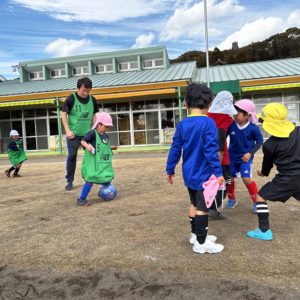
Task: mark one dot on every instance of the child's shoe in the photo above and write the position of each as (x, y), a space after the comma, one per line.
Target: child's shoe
(193, 238)
(258, 234)
(216, 215)
(254, 208)
(17, 175)
(207, 247)
(7, 174)
(81, 202)
(231, 203)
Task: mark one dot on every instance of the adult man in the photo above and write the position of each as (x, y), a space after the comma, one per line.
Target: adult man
(77, 115)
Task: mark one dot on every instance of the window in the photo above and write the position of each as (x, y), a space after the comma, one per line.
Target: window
(128, 66)
(38, 75)
(80, 71)
(153, 63)
(58, 73)
(104, 68)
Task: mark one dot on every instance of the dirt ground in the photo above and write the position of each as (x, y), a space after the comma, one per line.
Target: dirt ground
(136, 246)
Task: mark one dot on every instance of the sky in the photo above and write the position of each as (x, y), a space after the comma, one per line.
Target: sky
(43, 29)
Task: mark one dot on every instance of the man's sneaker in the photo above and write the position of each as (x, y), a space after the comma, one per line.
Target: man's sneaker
(7, 174)
(258, 234)
(81, 202)
(207, 247)
(17, 175)
(69, 186)
(216, 215)
(193, 238)
(254, 208)
(231, 203)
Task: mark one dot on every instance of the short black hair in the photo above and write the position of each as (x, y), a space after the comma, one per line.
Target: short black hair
(86, 82)
(198, 95)
(240, 110)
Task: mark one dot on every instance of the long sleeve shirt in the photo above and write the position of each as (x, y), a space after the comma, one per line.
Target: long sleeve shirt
(284, 153)
(196, 139)
(247, 139)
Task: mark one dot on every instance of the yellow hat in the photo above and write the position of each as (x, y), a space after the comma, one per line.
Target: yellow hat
(275, 122)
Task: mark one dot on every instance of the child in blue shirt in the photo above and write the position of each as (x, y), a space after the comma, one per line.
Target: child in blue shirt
(245, 140)
(196, 139)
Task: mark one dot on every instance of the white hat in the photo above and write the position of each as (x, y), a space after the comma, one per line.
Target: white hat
(13, 132)
(223, 104)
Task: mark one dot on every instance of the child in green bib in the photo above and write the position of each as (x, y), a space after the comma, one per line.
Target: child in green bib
(97, 161)
(16, 154)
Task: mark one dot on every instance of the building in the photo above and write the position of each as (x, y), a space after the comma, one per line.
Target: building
(140, 89)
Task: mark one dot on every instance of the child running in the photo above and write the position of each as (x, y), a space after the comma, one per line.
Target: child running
(16, 154)
(97, 161)
(282, 149)
(197, 138)
(245, 140)
(221, 111)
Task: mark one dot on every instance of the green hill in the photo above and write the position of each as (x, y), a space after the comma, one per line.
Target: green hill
(281, 45)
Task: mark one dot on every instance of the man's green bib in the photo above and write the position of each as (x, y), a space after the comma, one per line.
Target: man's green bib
(97, 168)
(17, 157)
(80, 116)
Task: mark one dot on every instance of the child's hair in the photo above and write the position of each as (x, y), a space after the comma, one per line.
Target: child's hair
(86, 82)
(198, 95)
(241, 110)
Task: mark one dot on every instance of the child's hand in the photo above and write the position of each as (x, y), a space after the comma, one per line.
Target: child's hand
(221, 180)
(170, 178)
(246, 157)
(89, 148)
(259, 173)
(114, 147)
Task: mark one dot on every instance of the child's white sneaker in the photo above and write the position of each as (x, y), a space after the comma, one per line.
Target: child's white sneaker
(207, 247)
(210, 237)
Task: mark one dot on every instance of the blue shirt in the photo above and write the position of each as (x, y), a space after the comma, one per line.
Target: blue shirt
(196, 137)
(248, 139)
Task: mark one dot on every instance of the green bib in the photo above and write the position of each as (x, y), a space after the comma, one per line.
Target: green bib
(80, 116)
(97, 168)
(17, 157)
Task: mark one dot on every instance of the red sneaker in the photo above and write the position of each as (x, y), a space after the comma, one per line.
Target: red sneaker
(7, 174)
(16, 175)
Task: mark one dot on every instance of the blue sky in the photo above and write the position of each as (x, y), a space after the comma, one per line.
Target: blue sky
(40, 29)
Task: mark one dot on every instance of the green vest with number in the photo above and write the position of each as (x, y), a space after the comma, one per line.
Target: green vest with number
(80, 116)
(97, 168)
(17, 157)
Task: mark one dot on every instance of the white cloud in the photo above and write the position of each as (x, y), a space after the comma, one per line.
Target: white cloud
(144, 40)
(260, 30)
(294, 19)
(63, 47)
(96, 10)
(190, 21)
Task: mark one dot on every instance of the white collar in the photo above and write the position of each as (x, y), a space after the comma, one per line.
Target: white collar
(243, 126)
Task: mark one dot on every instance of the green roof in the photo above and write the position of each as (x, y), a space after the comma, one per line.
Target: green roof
(253, 70)
(175, 72)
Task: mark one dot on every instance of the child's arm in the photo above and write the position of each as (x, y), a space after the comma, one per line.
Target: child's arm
(174, 154)
(258, 138)
(268, 162)
(210, 149)
(87, 146)
(85, 142)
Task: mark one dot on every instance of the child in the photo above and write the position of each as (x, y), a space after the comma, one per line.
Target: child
(97, 162)
(197, 137)
(245, 140)
(221, 111)
(282, 149)
(16, 154)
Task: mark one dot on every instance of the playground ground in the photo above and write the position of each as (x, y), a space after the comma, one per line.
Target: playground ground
(135, 247)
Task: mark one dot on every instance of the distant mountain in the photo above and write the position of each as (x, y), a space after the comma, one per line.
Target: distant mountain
(281, 45)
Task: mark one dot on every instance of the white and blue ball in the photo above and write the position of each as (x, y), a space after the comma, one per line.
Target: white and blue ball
(108, 192)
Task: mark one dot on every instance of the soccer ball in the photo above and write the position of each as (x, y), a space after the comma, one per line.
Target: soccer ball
(108, 192)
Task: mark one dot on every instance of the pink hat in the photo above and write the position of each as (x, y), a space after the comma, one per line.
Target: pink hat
(103, 118)
(249, 107)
